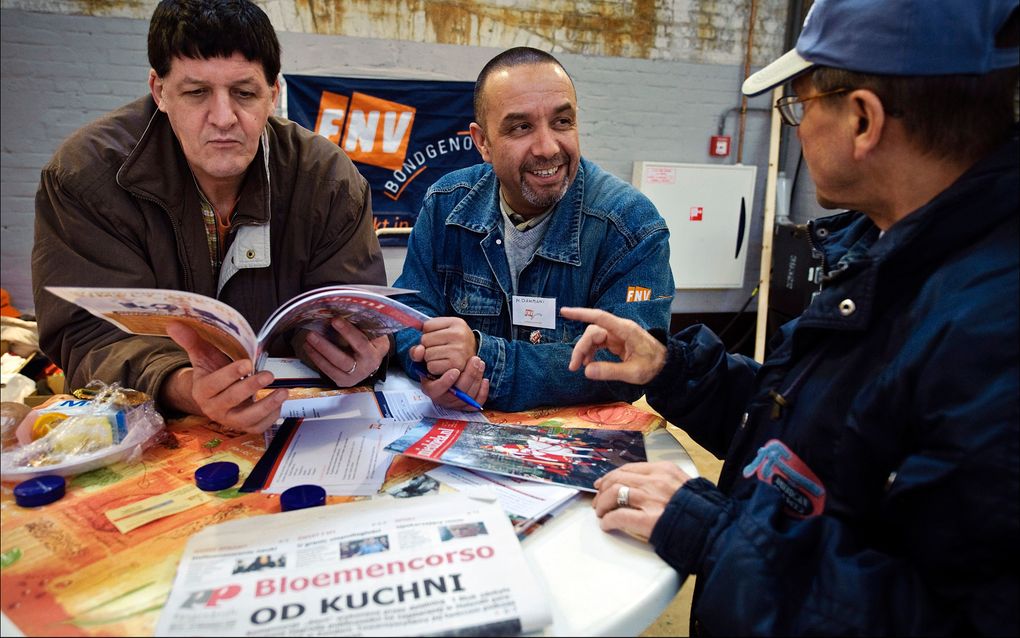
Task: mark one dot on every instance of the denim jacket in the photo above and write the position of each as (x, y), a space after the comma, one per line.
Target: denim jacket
(605, 244)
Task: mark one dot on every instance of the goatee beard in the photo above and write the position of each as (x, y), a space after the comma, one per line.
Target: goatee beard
(541, 200)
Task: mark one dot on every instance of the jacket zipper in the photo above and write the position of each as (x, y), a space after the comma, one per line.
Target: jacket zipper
(177, 230)
(177, 235)
(821, 253)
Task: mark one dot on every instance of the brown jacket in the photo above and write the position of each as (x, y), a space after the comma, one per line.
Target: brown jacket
(117, 206)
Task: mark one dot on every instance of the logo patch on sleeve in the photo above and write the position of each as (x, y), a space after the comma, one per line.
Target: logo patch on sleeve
(638, 293)
(777, 465)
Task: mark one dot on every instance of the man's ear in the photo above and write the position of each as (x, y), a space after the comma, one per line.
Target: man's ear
(868, 121)
(478, 136)
(156, 89)
(276, 93)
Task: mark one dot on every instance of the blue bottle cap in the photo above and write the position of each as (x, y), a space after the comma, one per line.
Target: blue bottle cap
(302, 496)
(213, 477)
(41, 490)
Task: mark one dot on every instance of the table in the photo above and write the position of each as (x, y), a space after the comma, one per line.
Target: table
(68, 571)
(604, 584)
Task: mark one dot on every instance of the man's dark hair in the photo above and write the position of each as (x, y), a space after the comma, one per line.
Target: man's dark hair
(517, 56)
(203, 29)
(961, 117)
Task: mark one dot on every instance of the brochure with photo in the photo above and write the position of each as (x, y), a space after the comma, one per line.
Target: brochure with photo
(574, 457)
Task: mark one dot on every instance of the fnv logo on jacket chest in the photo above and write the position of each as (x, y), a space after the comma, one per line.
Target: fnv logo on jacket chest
(638, 293)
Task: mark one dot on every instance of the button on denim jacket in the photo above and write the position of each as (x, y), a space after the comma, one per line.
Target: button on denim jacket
(606, 247)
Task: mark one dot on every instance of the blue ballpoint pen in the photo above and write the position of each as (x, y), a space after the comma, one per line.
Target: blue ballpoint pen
(423, 373)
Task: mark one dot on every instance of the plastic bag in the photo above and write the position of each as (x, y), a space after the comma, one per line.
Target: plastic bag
(11, 414)
(69, 435)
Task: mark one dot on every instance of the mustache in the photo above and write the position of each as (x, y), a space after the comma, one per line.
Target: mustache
(557, 160)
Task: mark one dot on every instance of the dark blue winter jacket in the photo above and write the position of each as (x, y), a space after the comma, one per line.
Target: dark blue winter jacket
(871, 475)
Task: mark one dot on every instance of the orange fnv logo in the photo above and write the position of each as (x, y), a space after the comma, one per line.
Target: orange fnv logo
(371, 130)
(638, 293)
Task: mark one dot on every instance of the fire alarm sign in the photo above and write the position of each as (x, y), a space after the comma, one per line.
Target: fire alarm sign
(719, 146)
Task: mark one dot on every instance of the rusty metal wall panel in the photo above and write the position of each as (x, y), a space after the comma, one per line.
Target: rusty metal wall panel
(712, 31)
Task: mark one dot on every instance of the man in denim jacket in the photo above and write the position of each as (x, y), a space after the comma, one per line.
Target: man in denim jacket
(500, 246)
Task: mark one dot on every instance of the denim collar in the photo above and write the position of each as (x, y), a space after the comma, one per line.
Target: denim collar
(479, 212)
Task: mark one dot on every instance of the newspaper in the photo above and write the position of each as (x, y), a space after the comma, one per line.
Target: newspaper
(443, 564)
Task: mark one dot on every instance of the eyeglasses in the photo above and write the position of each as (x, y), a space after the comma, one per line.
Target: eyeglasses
(791, 107)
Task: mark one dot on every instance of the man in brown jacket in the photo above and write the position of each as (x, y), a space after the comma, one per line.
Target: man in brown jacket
(197, 187)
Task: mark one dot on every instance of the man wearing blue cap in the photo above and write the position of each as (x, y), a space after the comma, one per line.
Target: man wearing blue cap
(871, 476)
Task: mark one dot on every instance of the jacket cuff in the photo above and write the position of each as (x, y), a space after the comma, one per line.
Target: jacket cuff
(155, 388)
(491, 351)
(681, 534)
(665, 383)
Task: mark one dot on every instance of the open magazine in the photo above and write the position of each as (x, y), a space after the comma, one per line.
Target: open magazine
(573, 457)
(436, 565)
(148, 311)
(527, 503)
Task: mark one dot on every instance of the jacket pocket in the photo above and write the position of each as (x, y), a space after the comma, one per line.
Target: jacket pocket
(480, 305)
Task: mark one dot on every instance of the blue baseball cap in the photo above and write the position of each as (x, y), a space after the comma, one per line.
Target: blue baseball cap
(895, 37)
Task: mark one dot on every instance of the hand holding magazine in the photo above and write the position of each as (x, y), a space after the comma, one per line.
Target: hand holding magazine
(148, 311)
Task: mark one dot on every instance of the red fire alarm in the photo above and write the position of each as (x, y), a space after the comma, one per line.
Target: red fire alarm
(719, 146)
(697, 212)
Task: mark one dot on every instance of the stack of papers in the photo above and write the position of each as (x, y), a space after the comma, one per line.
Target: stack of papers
(348, 443)
(527, 503)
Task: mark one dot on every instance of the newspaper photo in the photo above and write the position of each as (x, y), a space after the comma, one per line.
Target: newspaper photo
(443, 564)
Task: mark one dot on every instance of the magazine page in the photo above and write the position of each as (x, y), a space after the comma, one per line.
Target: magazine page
(435, 565)
(148, 311)
(292, 372)
(414, 404)
(331, 404)
(385, 291)
(528, 527)
(340, 439)
(568, 456)
(346, 457)
(373, 313)
(606, 416)
(524, 501)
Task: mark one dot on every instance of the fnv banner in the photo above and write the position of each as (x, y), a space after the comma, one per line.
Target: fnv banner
(402, 135)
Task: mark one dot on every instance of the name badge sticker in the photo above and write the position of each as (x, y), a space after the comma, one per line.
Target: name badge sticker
(534, 312)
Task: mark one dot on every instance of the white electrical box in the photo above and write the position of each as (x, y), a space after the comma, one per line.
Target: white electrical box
(708, 210)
